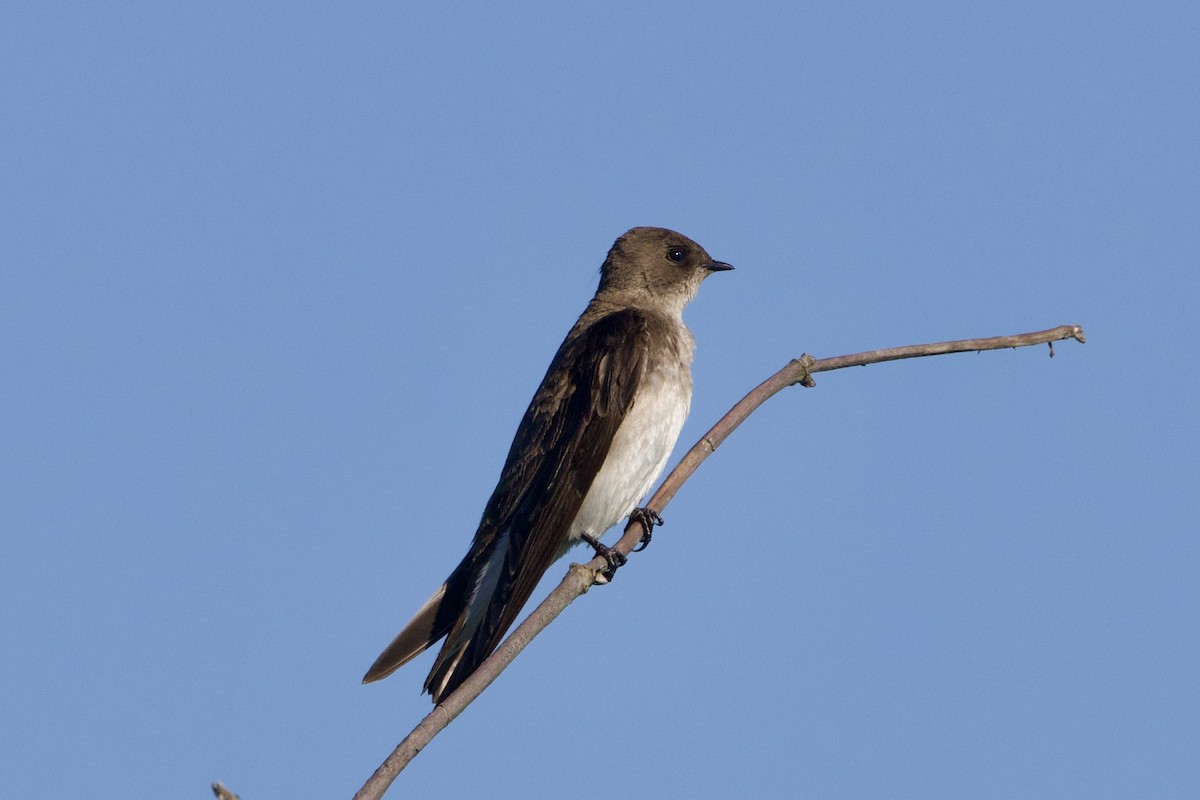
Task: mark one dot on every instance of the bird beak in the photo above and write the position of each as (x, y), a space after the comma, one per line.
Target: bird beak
(719, 266)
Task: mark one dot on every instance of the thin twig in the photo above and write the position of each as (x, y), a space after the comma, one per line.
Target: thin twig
(580, 577)
(222, 793)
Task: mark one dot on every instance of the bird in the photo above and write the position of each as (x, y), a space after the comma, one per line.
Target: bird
(592, 442)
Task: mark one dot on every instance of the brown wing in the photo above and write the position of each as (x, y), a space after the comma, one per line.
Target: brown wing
(560, 446)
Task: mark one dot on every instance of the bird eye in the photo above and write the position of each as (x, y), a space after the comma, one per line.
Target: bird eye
(675, 254)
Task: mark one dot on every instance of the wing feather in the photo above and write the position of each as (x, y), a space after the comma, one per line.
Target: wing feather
(560, 446)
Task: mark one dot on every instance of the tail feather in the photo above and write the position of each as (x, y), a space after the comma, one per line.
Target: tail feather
(464, 649)
(430, 624)
(418, 635)
(449, 671)
(468, 610)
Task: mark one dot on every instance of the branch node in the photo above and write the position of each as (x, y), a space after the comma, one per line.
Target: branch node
(803, 366)
(591, 577)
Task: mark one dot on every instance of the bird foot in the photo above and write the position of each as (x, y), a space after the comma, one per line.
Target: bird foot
(647, 519)
(614, 558)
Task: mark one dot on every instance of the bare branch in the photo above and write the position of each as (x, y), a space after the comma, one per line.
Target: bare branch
(222, 793)
(580, 577)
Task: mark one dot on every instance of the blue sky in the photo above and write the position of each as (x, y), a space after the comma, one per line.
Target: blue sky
(279, 280)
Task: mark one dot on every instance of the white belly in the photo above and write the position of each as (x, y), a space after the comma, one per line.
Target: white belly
(639, 451)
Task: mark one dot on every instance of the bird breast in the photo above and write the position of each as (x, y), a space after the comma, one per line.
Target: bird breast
(640, 448)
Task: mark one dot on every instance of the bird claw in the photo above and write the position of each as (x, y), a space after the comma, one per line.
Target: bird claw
(613, 557)
(647, 519)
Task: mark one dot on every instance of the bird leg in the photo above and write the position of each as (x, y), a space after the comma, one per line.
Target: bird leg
(613, 557)
(647, 519)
